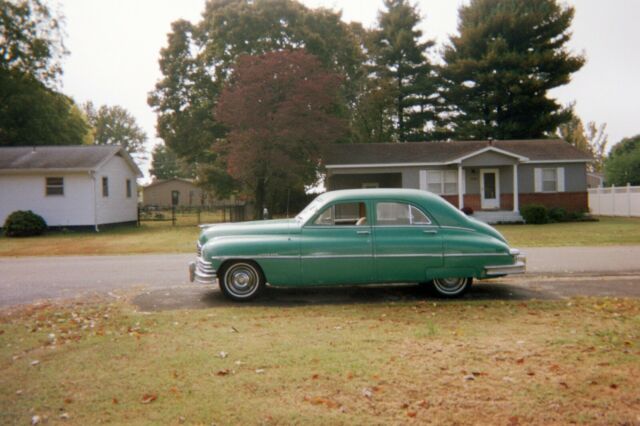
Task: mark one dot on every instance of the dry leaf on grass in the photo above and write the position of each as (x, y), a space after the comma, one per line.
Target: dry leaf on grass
(148, 398)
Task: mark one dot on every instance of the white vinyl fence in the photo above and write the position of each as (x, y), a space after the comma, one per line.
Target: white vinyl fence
(615, 201)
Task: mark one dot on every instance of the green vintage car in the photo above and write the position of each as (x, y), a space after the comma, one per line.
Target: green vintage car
(356, 237)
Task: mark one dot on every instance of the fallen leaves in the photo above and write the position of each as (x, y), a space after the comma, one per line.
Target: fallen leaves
(318, 400)
(148, 398)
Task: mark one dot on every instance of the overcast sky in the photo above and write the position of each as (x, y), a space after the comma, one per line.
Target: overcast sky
(115, 46)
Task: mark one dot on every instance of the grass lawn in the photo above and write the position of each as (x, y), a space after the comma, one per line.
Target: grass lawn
(164, 238)
(467, 362)
(608, 231)
(148, 238)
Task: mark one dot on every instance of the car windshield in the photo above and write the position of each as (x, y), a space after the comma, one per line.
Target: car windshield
(311, 209)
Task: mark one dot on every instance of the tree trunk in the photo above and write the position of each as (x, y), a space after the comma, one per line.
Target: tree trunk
(259, 198)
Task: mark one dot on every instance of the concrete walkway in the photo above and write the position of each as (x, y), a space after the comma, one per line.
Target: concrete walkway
(543, 260)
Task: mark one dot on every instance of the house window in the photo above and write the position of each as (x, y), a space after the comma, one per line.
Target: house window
(549, 180)
(105, 186)
(54, 186)
(128, 188)
(442, 182)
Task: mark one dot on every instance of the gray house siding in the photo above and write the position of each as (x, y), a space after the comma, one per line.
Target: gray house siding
(575, 176)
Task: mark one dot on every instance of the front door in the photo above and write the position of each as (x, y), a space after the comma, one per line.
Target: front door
(489, 189)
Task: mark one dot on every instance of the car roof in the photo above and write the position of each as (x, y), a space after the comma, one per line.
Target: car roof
(379, 193)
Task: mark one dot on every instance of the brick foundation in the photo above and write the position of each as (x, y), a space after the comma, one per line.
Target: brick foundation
(570, 201)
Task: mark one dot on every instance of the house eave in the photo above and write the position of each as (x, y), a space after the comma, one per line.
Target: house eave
(443, 163)
(45, 171)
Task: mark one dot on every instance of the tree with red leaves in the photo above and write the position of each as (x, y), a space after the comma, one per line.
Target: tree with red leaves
(281, 109)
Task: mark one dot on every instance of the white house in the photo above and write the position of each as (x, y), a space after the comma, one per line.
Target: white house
(69, 186)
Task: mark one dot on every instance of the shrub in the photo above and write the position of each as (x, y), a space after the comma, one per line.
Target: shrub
(534, 214)
(24, 224)
(558, 214)
(467, 210)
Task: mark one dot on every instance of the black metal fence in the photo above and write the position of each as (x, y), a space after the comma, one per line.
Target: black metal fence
(185, 216)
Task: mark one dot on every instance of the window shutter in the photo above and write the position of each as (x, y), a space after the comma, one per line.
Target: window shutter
(537, 179)
(423, 180)
(560, 179)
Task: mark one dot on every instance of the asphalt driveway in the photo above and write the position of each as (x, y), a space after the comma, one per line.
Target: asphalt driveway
(161, 280)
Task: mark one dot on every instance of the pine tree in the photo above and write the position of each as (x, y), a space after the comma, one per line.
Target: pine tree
(499, 69)
(400, 58)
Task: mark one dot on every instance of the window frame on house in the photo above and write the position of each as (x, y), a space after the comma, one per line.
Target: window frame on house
(105, 186)
(558, 180)
(436, 181)
(128, 190)
(51, 188)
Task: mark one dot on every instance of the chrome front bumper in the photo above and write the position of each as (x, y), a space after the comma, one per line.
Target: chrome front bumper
(519, 267)
(202, 272)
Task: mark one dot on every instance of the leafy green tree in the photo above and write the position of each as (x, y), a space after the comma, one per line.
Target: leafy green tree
(593, 140)
(31, 47)
(32, 114)
(622, 166)
(200, 57)
(114, 125)
(400, 58)
(280, 109)
(165, 164)
(31, 39)
(499, 69)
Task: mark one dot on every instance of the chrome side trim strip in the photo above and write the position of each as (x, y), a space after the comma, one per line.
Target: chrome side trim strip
(474, 254)
(408, 255)
(355, 256)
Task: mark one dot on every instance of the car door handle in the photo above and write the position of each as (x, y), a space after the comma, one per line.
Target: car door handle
(363, 232)
(430, 231)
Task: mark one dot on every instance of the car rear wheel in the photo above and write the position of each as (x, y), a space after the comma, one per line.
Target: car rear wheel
(241, 281)
(451, 287)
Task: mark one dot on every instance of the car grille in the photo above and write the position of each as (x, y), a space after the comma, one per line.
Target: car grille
(205, 267)
(199, 249)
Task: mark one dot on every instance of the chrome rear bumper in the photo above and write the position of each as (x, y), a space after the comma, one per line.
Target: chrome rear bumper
(499, 270)
(519, 267)
(202, 272)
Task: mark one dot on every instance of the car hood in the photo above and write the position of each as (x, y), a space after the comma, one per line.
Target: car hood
(262, 227)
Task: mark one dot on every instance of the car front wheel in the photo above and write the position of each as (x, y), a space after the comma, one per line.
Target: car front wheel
(451, 287)
(241, 281)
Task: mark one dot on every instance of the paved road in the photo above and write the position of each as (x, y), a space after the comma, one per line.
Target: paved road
(573, 271)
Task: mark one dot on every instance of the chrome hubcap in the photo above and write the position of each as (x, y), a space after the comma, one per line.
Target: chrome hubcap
(241, 280)
(450, 286)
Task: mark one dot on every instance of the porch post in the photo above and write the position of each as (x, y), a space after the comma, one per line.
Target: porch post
(460, 186)
(516, 207)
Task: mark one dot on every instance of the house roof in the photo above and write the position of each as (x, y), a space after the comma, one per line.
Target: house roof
(163, 181)
(78, 158)
(534, 150)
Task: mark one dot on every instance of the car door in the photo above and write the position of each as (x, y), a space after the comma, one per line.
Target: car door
(336, 245)
(407, 243)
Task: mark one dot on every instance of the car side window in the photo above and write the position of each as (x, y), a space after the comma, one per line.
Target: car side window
(343, 214)
(395, 214)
